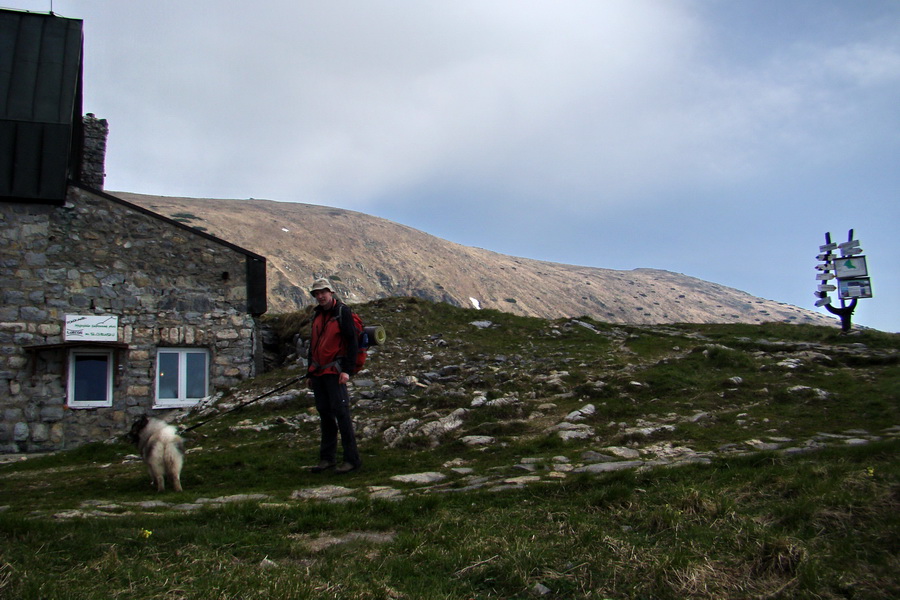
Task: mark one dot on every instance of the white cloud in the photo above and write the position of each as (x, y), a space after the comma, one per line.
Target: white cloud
(566, 116)
(351, 101)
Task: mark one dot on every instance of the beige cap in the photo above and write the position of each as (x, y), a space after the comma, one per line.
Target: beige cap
(321, 284)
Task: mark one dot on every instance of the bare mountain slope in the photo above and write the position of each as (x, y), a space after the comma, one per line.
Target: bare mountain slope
(368, 258)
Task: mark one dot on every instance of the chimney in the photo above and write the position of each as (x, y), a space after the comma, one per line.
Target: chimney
(94, 153)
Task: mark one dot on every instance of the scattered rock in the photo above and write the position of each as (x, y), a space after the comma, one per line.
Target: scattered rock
(808, 392)
(581, 414)
(762, 446)
(607, 467)
(324, 492)
(477, 440)
(540, 589)
(622, 452)
(420, 478)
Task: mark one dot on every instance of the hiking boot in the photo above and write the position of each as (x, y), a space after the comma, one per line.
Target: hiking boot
(322, 466)
(346, 468)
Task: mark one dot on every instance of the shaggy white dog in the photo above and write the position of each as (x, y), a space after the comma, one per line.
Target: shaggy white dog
(162, 450)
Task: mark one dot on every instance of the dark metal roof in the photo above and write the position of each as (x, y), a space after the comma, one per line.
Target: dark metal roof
(40, 105)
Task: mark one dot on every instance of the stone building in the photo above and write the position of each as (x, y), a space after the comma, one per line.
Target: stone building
(107, 310)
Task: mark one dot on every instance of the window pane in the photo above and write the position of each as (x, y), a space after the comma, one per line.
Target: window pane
(167, 381)
(195, 371)
(91, 378)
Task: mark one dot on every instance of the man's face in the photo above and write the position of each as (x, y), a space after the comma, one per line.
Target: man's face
(323, 297)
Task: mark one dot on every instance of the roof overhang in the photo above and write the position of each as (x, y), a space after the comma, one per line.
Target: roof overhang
(41, 132)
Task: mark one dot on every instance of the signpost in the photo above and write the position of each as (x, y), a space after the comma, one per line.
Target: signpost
(850, 272)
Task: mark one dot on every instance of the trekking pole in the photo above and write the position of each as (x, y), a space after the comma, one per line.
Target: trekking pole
(247, 403)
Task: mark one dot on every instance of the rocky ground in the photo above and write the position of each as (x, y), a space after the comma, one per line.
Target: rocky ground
(426, 394)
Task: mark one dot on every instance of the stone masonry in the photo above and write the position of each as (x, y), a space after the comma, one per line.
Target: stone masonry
(97, 255)
(93, 158)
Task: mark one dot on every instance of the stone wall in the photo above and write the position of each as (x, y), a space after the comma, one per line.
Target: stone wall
(168, 286)
(93, 159)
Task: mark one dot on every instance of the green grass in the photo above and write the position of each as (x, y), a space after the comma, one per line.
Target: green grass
(817, 525)
(820, 526)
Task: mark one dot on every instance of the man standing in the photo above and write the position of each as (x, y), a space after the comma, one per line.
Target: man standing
(332, 360)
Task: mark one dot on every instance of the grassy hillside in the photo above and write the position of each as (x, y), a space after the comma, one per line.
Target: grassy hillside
(505, 457)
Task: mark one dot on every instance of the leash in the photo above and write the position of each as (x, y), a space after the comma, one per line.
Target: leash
(247, 403)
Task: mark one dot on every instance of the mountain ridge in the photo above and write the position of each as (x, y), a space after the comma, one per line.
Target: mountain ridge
(369, 257)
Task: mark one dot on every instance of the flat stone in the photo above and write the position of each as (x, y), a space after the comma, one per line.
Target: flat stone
(761, 445)
(320, 493)
(690, 460)
(522, 480)
(423, 478)
(856, 442)
(609, 466)
(576, 434)
(649, 431)
(146, 504)
(477, 440)
(234, 498)
(342, 500)
(591, 456)
(622, 452)
(383, 492)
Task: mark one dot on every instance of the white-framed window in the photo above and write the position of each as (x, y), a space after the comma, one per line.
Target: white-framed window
(90, 378)
(182, 376)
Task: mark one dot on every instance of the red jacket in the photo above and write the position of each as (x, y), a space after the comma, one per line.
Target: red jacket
(333, 344)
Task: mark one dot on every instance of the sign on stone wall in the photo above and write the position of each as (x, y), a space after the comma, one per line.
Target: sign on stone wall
(91, 328)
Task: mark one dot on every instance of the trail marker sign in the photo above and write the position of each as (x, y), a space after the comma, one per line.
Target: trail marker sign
(850, 272)
(854, 288)
(848, 268)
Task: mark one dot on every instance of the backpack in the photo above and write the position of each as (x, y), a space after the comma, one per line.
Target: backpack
(362, 339)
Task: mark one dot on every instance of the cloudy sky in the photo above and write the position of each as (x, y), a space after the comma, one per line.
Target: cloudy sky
(716, 138)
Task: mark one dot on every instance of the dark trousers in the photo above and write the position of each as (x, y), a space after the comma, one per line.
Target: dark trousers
(333, 404)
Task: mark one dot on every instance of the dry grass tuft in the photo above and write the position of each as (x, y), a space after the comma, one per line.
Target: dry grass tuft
(781, 556)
